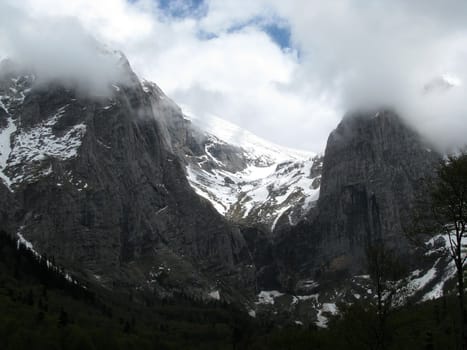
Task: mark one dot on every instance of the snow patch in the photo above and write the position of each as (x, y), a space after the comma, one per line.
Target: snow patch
(271, 181)
(420, 282)
(215, 295)
(23, 241)
(279, 215)
(268, 296)
(233, 134)
(274, 178)
(2, 106)
(36, 144)
(326, 308)
(437, 290)
(28, 245)
(5, 148)
(308, 297)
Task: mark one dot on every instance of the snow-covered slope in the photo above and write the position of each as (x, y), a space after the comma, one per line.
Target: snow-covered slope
(26, 150)
(5, 148)
(250, 180)
(264, 152)
(246, 178)
(434, 277)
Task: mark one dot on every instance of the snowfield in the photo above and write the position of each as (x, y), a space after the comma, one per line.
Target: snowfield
(24, 151)
(275, 181)
(5, 148)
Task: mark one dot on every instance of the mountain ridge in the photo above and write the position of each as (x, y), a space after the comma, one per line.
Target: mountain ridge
(112, 201)
(108, 187)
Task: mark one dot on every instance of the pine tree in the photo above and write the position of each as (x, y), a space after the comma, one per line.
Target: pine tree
(63, 318)
(386, 276)
(30, 298)
(445, 212)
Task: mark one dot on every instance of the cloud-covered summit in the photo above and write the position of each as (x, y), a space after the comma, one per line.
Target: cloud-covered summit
(59, 49)
(286, 70)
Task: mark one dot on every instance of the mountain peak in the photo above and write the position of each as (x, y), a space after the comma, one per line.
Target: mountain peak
(250, 180)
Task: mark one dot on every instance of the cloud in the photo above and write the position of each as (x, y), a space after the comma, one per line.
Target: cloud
(59, 49)
(218, 57)
(370, 54)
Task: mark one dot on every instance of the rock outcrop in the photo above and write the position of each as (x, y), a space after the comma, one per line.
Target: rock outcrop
(100, 189)
(372, 168)
(107, 186)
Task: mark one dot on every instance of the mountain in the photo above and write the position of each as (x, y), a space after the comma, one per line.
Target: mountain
(129, 193)
(357, 192)
(373, 166)
(252, 181)
(94, 183)
(248, 180)
(372, 169)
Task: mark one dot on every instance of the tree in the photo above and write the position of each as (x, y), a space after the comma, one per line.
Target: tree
(30, 297)
(63, 318)
(386, 276)
(445, 212)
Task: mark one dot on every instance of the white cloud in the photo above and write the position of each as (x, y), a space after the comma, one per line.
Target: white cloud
(372, 53)
(352, 54)
(224, 14)
(58, 48)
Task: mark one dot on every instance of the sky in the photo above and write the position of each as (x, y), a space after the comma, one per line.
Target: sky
(285, 70)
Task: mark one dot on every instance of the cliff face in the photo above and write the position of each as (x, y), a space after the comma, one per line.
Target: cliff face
(101, 184)
(100, 189)
(248, 180)
(372, 167)
(372, 170)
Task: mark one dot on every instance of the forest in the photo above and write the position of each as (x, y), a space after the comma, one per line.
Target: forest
(43, 308)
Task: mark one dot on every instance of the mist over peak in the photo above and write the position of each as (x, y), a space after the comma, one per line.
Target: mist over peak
(59, 50)
(337, 56)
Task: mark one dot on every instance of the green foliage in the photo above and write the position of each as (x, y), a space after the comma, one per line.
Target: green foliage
(386, 276)
(40, 309)
(417, 327)
(445, 212)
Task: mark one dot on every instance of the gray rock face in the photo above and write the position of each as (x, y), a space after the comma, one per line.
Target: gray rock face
(233, 168)
(100, 189)
(254, 183)
(372, 167)
(101, 185)
(8, 209)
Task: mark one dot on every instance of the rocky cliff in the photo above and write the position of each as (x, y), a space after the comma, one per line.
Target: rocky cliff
(248, 180)
(127, 191)
(372, 168)
(99, 187)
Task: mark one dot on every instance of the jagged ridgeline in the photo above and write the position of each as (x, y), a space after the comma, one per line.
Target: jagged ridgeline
(372, 170)
(94, 182)
(128, 193)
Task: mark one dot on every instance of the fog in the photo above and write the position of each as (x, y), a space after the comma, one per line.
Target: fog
(342, 55)
(58, 49)
(372, 54)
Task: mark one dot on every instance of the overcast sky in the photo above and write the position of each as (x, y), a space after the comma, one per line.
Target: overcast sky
(285, 70)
